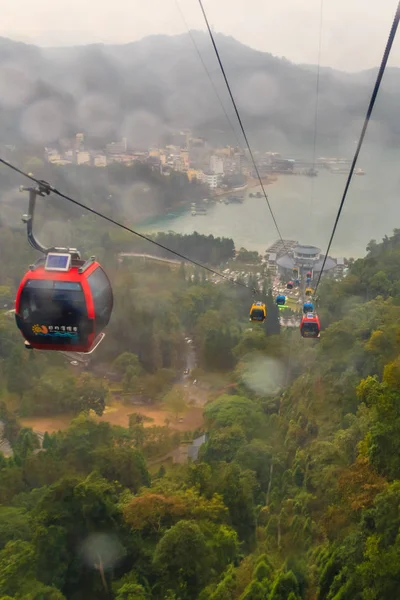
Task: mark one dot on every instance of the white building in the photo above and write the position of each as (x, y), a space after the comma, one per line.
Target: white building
(79, 141)
(82, 158)
(100, 161)
(69, 155)
(211, 179)
(52, 155)
(216, 165)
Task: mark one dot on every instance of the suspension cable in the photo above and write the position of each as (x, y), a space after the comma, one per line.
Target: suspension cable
(221, 66)
(389, 44)
(208, 74)
(316, 104)
(49, 188)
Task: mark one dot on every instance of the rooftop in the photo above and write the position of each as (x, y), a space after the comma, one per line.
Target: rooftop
(311, 250)
(286, 262)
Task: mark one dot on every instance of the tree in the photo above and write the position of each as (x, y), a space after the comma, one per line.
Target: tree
(35, 590)
(128, 360)
(128, 588)
(18, 372)
(71, 514)
(248, 256)
(11, 425)
(130, 381)
(237, 489)
(227, 411)
(284, 585)
(11, 483)
(217, 349)
(26, 442)
(17, 565)
(132, 591)
(122, 464)
(226, 588)
(14, 525)
(256, 456)
(155, 512)
(272, 322)
(223, 444)
(175, 400)
(255, 591)
(183, 560)
(251, 341)
(91, 394)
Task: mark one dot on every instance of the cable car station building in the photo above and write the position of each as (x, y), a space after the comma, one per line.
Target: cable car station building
(305, 258)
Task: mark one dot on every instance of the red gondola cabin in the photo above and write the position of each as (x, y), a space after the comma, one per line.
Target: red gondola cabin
(310, 326)
(63, 303)
(289, 285)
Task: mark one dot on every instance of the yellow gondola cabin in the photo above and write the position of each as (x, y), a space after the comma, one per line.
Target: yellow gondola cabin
(258, 312)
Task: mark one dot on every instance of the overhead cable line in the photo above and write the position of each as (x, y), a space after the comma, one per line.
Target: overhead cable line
(317, 81)
(43, 185)
(239, 119)
(389, 44)
(317, 100)
(208, 74)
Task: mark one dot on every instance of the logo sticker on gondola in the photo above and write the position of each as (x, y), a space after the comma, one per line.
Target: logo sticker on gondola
(60, 331)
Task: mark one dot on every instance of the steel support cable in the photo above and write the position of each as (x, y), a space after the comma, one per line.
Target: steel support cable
(375, 91)
(316, 103)
(239, 119)
(49, 188)
(208, 74)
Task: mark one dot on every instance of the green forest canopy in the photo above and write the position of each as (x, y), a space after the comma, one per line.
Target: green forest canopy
(295, 495)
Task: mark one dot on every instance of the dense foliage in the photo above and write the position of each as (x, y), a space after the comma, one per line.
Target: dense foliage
(296, 490)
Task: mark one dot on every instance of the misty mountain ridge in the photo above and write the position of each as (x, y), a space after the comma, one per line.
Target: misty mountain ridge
(147, 89)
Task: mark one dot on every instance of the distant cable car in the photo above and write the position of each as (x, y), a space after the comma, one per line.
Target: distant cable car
(309, 274)
(258, 312)
(280, 300)
(297, 282)
(63, 303)
(295, 272)
(310, 326)
(289, 285)
(308, 307)
(308, 291)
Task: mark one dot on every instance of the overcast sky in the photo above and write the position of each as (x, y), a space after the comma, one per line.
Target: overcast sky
(353, 36)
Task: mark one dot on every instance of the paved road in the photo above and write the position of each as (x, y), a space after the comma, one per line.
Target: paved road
(150, 256)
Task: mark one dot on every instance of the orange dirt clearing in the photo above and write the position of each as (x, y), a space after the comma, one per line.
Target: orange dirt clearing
(118, 414)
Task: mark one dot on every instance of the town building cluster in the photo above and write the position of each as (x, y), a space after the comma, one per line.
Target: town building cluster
(216, 167)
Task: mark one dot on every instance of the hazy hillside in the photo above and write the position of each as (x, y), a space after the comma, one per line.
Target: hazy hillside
(146, 88)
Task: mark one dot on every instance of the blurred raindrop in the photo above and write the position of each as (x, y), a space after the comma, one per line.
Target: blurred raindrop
(263, 374)
(102, 549)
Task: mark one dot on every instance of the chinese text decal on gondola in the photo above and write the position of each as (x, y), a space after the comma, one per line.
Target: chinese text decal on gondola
(62, 331)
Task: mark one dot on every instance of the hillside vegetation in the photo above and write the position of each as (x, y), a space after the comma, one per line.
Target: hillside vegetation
(146, 89)
(296, 492)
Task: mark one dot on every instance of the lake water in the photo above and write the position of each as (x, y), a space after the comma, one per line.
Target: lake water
(305, 209)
